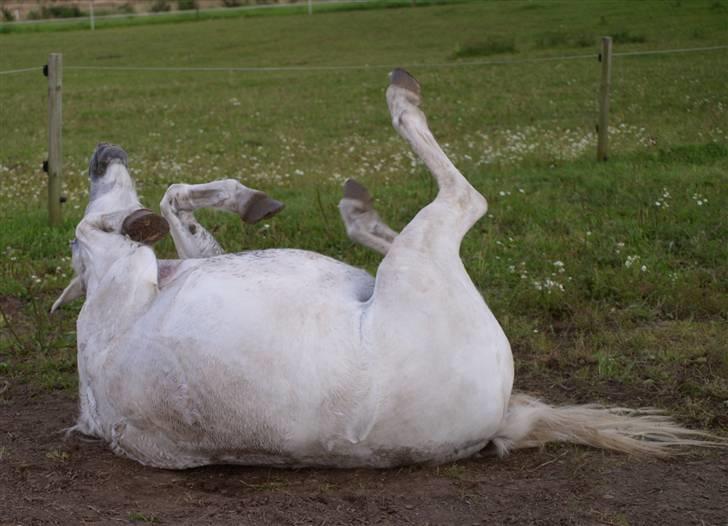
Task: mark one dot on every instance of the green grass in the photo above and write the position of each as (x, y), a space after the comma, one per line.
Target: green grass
(485, 48)
(625, 37)
(609, 278)
(560, 39)
(135, 517)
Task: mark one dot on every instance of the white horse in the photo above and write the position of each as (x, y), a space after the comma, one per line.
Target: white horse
(285, 357)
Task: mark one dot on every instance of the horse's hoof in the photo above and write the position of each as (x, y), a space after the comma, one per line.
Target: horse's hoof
(400, 78)
(144, 226)
(260, 207)
(355, 190)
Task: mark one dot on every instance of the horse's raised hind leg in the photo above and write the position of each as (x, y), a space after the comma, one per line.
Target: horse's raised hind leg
(438, 229)
(180, 201)
(449, 370)
(422, 275)
(363, 224)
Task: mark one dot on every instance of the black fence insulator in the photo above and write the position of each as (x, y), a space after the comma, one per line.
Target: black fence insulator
(45, 70)
(62, 199)
(45, 166)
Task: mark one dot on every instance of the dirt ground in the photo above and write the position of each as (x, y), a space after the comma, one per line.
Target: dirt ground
(45, 479)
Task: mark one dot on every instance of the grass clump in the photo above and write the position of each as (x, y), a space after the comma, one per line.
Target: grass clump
(160, 6)
(532, 6)
(56, 11)
(695, 154)
(149, 518)
(625, 37)
(186, 5)
(559, 39)
(125, 8)
(485, 48)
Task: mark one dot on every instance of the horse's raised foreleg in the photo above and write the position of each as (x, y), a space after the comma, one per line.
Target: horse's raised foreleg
(180, 201)
(363, 224)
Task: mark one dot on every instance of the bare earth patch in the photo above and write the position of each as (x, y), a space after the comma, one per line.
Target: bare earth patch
(45, 479)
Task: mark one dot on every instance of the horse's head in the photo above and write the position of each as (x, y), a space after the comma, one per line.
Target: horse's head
(112, 199)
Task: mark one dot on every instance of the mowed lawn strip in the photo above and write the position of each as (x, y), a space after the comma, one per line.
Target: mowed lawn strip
(610, 279)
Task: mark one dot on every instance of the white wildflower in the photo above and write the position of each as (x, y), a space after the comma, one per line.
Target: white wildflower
(662, 200)
(700, 200)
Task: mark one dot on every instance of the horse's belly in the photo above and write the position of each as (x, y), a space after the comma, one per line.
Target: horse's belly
(273, 360)
(248, 358)
(287, 300)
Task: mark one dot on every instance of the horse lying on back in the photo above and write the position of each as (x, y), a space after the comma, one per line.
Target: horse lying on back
(288, 357)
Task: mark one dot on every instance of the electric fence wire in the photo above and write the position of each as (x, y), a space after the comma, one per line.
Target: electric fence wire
(425, 65)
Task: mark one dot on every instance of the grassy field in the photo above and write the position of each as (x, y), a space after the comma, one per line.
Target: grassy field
(611, 279)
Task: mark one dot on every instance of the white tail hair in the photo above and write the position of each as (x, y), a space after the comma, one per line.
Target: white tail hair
(532, 423)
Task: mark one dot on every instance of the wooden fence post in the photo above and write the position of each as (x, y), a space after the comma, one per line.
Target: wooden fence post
(310, 8)
(54, 165)
(603, 126)
(91, 14)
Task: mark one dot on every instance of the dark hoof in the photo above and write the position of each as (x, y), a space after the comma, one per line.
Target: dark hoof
(260, 207)
(103, 156)
(402, 79)
(144, 226)
(355, 190)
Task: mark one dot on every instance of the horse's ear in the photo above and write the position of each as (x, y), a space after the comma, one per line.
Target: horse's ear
(73, 291)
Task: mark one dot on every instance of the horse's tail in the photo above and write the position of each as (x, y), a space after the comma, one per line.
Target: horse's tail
(532, 423)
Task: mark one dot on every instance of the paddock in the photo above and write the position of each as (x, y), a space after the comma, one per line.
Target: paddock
(609, 278)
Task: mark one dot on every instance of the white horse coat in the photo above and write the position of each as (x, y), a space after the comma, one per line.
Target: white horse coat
(290, 358)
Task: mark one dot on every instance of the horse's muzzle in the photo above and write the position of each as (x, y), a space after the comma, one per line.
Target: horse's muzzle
(103, 156)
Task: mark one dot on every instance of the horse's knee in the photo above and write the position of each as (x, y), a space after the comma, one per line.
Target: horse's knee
(93, 225)
(169, 200)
